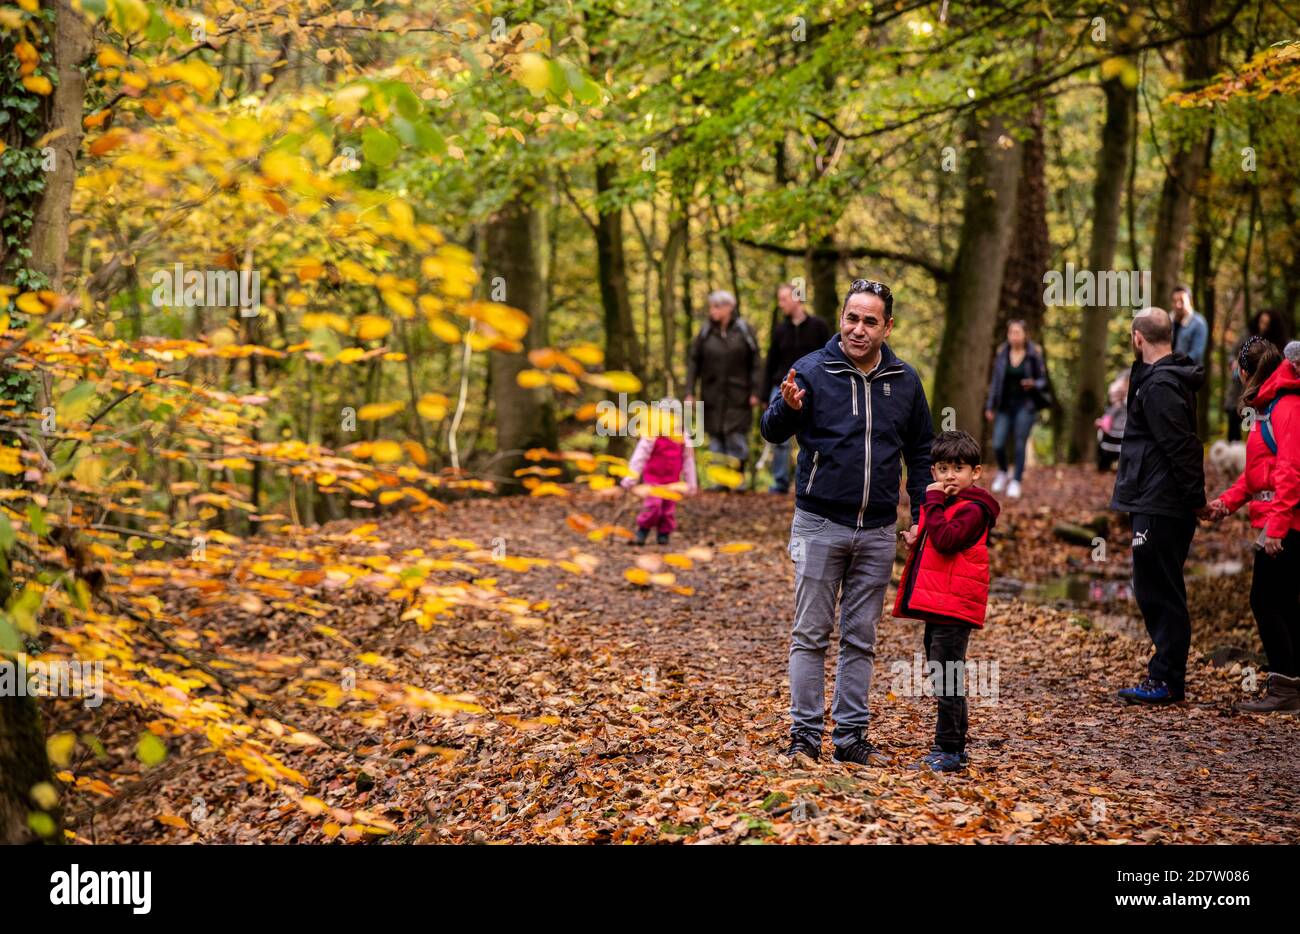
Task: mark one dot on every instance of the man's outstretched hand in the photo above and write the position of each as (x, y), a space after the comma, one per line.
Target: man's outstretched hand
(791, 392)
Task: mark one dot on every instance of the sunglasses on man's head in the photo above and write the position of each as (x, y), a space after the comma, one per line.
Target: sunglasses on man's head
(871, 286)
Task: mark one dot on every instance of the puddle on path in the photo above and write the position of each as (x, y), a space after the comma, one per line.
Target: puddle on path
(1100, 601)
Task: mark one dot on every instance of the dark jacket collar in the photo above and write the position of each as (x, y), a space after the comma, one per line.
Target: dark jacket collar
(835, 354)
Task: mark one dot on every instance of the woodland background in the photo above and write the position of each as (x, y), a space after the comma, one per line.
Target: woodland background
(472, 221)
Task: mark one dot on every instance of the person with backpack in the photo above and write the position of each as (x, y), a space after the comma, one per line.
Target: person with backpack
(725, 362)
(1270, 402)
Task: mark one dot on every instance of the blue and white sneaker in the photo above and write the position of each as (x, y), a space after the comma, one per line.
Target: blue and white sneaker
(1151, 692)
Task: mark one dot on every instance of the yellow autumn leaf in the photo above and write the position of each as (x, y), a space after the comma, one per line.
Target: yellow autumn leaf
(432, 406)
(637, 576)
(588, 354)
(444, 330)
(309, 269)
(548, 489)
(565, 383)
(325, 319)
(531, 379)
(379, 410)
(30, 304)
(534, 73)
(373, 327)
(353, 271)
(398, 302)
(725, 476)
(615, 381)
(510, 323)
(110, 57)
(386, 452)
(416, 453)
(38, 84)
(734, 548)
(60, 747)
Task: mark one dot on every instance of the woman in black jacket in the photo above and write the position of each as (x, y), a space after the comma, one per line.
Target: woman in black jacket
(1017, 391)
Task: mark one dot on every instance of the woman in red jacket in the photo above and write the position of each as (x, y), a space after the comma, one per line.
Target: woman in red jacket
(1271, 484)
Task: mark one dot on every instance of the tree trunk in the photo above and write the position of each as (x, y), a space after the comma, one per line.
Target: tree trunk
(1203, 295)
(49, 235)
(621, 351)
(1028, 255)
(1186, 164)
(23, 760)
(668, 299)
(961, 374)
(1107, 193)
(821, 276)
(1030, 250)
(514, 240)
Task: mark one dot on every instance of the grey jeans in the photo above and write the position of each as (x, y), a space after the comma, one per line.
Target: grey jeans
(854, 564)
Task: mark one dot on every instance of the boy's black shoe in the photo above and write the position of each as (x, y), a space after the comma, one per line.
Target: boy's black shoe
(802, 746)
(662, 538)
(860, 752)
(640, 536)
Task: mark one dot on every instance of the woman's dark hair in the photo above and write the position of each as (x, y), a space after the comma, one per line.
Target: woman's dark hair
(1258, 359)
(1276, 332)
(955, 447)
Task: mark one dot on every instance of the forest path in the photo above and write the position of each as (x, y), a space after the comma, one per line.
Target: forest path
(635, 713)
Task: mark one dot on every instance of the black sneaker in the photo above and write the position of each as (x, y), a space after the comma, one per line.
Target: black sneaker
(661, 538)
(860, 752)
(641, 535)
(802, 746)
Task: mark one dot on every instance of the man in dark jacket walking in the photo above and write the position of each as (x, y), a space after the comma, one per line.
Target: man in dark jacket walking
(797, 336)
(859, 412)
(725, 361)
(1161, 482)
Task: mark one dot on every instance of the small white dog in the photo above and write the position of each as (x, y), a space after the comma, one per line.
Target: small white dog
(1228, 458)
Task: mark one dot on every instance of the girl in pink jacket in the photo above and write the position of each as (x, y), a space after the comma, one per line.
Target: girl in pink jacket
(660, 460)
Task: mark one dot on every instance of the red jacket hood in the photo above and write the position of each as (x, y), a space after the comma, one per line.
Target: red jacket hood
(1284, 377)
(984, 498)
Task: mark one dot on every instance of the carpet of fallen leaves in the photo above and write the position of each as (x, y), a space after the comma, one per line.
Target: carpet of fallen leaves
(635, 713)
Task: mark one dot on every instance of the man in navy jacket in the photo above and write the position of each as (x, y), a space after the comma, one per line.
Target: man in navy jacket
(859, 412)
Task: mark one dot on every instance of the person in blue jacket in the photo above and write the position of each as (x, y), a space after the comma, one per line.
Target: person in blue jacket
(859, 414)
(1191, 333)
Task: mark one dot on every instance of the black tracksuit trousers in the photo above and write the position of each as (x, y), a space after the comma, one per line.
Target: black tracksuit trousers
(1160, 546)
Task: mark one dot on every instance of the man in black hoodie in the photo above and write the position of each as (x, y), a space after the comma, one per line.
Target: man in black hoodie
(1161, 482)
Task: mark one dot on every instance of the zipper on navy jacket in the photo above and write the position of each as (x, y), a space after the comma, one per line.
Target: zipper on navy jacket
(867, 380)
(808, 488)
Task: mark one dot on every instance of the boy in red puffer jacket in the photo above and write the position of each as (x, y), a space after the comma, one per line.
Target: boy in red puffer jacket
(946, 582)
(1271, 484)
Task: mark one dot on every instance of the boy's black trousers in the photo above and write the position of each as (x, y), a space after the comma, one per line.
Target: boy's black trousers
(1160, 546)
(944, 643)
